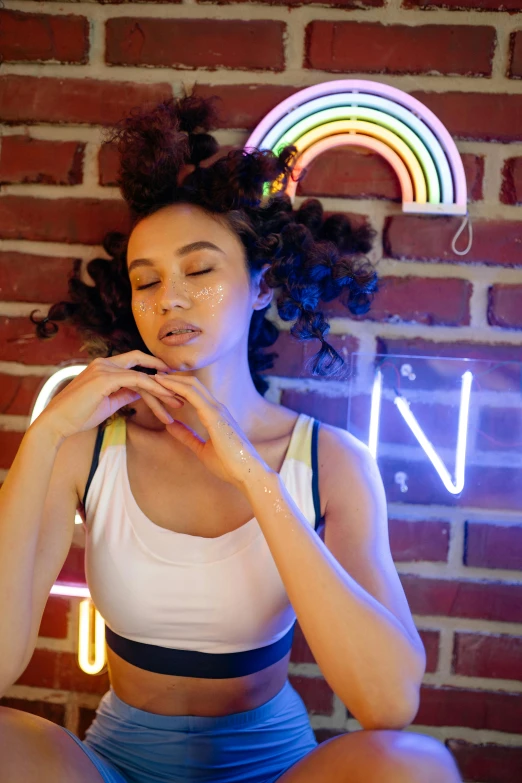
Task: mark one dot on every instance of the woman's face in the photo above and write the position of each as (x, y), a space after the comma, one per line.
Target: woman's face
(184, 264)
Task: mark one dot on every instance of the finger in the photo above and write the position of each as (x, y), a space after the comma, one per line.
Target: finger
(120, 398)
(157, 408)
(137, 358)
(138, 381)
(193, 393)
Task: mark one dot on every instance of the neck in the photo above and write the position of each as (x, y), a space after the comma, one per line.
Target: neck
(231, 384)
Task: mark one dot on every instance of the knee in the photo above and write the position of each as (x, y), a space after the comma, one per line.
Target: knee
(407, 757)
(19, 728)
(9, 716)
(12, 717)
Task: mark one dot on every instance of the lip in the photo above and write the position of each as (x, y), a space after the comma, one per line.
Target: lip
(179, 339)
(175, 323)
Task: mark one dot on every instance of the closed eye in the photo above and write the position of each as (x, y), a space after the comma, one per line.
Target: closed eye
(203, 271)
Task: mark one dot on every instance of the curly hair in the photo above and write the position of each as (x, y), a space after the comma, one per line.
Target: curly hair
(312, 259)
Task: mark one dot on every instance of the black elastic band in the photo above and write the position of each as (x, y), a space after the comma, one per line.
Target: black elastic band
(315, 474)
(191, 663)
(95, 459)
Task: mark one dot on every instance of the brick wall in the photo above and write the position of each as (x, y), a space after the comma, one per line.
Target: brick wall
(70, 68)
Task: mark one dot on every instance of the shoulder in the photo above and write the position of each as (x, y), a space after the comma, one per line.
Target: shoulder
(345, 462)
(337, 441)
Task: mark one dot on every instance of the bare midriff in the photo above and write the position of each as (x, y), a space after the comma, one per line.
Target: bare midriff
(165, 694)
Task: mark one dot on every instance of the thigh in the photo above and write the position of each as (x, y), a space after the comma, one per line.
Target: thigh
(30, 745)
(385, 756)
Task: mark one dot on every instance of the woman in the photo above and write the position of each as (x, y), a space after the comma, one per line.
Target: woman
(199, 500)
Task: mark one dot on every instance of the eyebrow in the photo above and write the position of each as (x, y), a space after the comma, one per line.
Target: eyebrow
(182, 251)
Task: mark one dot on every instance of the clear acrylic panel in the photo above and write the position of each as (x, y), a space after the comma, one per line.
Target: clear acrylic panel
(444, 431)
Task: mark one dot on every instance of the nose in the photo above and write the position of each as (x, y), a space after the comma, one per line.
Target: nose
(173, 293)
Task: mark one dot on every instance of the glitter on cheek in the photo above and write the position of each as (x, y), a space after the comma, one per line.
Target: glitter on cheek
(214, 295)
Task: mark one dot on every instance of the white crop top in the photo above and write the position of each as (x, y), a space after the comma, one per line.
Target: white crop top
(183, 604)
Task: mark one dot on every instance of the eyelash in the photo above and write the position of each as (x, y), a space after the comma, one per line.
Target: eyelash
(203, 271)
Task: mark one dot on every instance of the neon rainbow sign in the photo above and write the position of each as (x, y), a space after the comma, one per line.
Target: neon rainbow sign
(381, 118)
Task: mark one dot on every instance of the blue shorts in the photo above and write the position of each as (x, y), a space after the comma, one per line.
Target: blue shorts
(129, 745)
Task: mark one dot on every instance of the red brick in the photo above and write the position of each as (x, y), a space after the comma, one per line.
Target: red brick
(82, 220)
(420, 238)
(196, 43)
(244, 105)
(346, 47)
(23, 159)
(61, 670)
(431, 642)
(511, 190)
(488, 655)
(477, 116)
(505, 305)
(294, 354)
(511, 6)
(423, 300)
(515, 65)
(18, 393)
(315, 692)
(475, 709)
(487, 762)
(73, 570)
(27, 277)
(474, 172)
(19, 343)
(359, 412)
(481, 600)
(9, 445)
(32, 99)
(439, 422)
(414, 541)
(25, 37)
(487, 487)
(301, 652)
(108, 164)
(44, 709)
(55, 618)
(500, 429)
(356, 172)
(502, 376)
(330, 410)
(493, 546)
(350, 172)
(85, 718)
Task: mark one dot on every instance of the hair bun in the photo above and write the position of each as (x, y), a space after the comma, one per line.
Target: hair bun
(202, 146)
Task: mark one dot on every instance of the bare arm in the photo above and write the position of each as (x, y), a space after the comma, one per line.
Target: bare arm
(346, 592)
(37, 506)
(38, 499)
